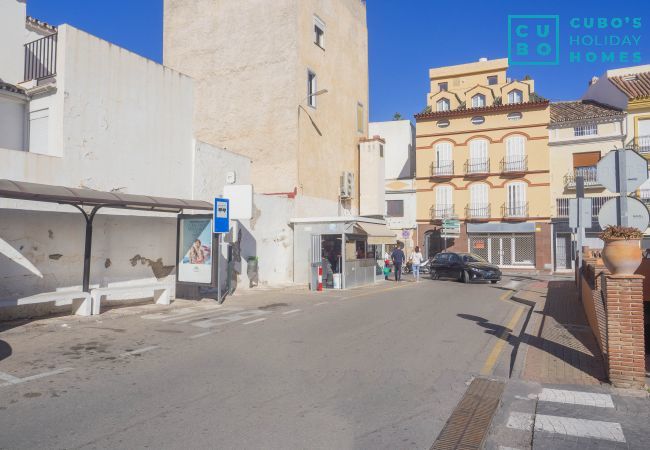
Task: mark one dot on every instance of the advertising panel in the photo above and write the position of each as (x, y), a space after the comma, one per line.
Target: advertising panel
(195, 250)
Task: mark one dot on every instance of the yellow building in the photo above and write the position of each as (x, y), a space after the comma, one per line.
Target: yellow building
(482, 157)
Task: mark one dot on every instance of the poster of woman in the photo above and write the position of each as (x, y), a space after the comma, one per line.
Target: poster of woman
(195, 240)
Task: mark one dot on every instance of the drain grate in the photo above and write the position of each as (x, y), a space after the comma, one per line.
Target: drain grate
(468, 425)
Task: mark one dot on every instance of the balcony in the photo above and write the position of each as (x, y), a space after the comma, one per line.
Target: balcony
(589, 174)
(442, 169)
(642, 145)
(477, 166)
(477, 212)
(562, 205)
(514, 164)
(40, 58)
(515, 210)
(439, 212)
(644, 196)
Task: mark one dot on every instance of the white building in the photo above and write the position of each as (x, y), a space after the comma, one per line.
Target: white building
(79, 112)
(399, 159)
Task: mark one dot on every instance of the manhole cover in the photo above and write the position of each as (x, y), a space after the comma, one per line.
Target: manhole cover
(468, 425)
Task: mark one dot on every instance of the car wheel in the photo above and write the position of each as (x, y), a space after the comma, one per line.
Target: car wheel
(434, 275)
(494, 281)
(465, 277)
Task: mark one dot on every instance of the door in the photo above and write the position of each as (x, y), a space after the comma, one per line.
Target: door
(454, 268)
(440, 264)
(443, 158)
(515, 153)
(478, 200)
(516, 203)
(562, 252)
(478, 156)
(443, 202)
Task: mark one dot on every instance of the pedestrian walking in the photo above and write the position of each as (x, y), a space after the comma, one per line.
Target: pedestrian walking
(398, 259)
(416, 260)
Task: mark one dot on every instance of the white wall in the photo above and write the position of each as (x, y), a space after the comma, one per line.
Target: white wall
(371, 178)
(12, 35)
(604, 91)
(12, 121)
(408, 221)
(400, 146)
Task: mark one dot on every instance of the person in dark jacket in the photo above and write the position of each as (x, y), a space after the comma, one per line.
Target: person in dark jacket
(398, 259)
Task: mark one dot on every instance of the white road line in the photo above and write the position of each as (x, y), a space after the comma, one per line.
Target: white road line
(291, 312)
(201, 314)
(243, 315)
(576, 398)
(11, 380)
(520, 421)
(597, 429)
(174, 313)
(139, 351)
(261, 319)
(196, 336)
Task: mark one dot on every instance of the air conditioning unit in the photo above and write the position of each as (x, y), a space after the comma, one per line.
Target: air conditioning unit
(347, 185)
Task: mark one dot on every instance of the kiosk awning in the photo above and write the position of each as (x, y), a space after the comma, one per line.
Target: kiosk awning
(378, 234)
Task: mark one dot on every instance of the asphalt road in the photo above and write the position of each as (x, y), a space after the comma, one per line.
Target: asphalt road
(380, 367)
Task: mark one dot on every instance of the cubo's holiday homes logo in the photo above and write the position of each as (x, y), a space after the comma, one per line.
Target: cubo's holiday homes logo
(535, 40)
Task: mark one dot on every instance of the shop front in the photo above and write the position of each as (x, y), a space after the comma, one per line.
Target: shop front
(508, 245)
(349, 250)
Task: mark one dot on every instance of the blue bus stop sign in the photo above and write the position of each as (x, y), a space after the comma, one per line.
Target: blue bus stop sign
(221, 215)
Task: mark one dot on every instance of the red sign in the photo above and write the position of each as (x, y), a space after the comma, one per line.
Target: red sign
(479, 244)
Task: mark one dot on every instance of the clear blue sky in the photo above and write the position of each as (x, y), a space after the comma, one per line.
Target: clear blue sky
(406, 38)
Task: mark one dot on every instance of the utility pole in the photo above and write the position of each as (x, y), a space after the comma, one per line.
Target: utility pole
(580, 194)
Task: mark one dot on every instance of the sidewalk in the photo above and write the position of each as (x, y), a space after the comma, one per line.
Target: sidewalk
(561, 348)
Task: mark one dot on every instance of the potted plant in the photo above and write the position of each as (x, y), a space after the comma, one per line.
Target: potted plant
(622, 252)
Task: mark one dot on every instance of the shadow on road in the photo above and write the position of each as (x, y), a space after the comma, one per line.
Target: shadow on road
(5, 350)
(571, 340)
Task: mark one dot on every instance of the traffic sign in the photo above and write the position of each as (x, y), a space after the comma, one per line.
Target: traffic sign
(585, 213)
(221, 215)
(622, 170)
(637, 213)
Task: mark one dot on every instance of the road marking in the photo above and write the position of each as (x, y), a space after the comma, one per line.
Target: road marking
(506, 295)
(229, 318)
(576, 398)
(202, 315)
(11, 380)
(321, 303)
(520, 421)
(493, 357)
(139, 351)
(261, 319)
(597, 429)
(290, 312)
(196, 336)
(174, 313)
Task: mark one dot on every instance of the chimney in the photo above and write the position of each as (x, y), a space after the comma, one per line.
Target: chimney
(482, 59)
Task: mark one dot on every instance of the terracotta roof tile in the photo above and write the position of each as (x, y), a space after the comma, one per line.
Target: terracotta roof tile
(29, 20)
(581, 110)
(464, 111)
(634, 85)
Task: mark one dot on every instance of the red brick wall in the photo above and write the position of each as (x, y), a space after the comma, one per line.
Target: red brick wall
(625, 342)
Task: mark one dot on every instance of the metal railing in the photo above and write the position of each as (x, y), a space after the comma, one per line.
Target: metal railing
(642, 144)
(562, 205)
(514, 210)
(442, 168)
(477, 211)
(477, 166)
(644, 196)
(514, 164)
(589, 174)
(442, 212)
(40, 58)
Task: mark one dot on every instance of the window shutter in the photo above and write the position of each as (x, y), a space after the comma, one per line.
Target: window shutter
(585, 159)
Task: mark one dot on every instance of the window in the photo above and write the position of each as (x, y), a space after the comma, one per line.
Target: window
(478, 156)
(515, 116)
(395, 208)
(444, 203)
(492, 80)
(478, 120)
(478, 199)
(311, 89)
(516, 202)
(443, 86)
(39, 131)
(515, 96)
(442, 123)
(478, 101)
(585, 130)
(319, 32)
(360, 126)
(515, 159)
(443, 154)
(442, 105)
(381, 150)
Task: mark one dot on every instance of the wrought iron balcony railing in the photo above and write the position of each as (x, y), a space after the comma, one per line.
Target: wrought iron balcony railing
(477, 211)
(442, 211)
(40, 58)
(514, 210)
(562, 205)
(589, 174)
(641, 144)
(512, 164)
(476, 166)
(442, 168)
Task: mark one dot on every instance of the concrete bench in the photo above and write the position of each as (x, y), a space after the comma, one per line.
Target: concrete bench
(161, 293)
(80, 301)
